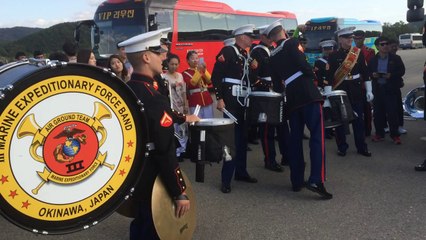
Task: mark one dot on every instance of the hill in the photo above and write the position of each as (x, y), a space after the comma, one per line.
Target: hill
(16, 33)
(47, 40)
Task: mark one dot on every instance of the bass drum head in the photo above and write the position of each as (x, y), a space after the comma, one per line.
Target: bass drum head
(71, 148)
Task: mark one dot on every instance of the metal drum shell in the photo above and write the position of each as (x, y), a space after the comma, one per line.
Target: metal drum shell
(269, 104)
(334, 116)
(219, 133)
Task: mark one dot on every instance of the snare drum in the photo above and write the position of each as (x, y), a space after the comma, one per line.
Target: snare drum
(219, 133)
(266, 107)
(73, 143)
(340, 110)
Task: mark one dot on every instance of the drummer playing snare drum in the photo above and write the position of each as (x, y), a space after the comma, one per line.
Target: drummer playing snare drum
(143, 52)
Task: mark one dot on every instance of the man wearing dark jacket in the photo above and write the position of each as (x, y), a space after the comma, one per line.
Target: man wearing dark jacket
(386, 71)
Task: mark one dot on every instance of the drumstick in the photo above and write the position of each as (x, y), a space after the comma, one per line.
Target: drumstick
(196, 111)
(230, 115)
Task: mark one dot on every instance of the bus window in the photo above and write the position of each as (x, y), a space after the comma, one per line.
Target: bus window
(164, 18)
(258, 21)
(235, 21)
(213, 26)
(189, 27)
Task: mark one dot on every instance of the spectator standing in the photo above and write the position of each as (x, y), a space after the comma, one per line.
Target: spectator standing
(386, 71)
(19, 56)
(70, 49)
(121, 51)
(86, 56)
(38, 54)
(116, 64)
(197, 79)
(177, 89)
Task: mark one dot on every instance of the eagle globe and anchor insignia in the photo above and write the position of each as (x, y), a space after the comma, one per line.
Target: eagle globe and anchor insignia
(70, 145)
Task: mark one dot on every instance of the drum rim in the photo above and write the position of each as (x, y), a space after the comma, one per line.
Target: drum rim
(337, 93)
(209, 122)
(265, 94)
(84, 221)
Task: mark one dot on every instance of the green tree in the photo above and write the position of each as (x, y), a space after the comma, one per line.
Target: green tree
(394, 30)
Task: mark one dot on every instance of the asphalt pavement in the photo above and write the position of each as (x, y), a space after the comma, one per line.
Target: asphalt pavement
(380, 197)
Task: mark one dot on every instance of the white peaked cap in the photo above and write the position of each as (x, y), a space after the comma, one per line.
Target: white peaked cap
(272, 26)
(262, 29)
(229, 41)
(345, 31)
(327, 43)
(244, 29)
(144, 41)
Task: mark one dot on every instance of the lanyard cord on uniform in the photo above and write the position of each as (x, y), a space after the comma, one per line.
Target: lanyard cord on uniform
(246, 71)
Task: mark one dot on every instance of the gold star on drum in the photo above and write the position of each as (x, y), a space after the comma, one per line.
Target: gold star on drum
(72, 142)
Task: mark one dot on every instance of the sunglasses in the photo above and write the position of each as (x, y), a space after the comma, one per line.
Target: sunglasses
(384, 44)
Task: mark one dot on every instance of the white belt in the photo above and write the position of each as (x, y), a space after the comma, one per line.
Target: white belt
(266, 79)
(197, 90)
(232, 80)
(292, 78)
(352, 77)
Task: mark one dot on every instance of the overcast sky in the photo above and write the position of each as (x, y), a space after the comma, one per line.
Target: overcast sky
(45, 13)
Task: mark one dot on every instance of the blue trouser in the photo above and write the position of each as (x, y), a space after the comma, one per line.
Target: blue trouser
(142, 227)
(267, 138)
(239, 163)
(386, 105)
(358, 130)
(311, 116)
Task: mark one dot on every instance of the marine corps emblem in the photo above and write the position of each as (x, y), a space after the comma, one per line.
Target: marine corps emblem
(70, 145)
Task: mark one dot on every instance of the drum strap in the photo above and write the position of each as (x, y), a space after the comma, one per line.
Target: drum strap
(293, 77)
(346, 67)
(264, 48)
(323, 60)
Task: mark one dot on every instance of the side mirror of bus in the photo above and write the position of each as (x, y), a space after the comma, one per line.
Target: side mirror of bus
(152, 22)
(416, 11)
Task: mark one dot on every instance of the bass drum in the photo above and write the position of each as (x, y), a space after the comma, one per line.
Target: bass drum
(72, 145)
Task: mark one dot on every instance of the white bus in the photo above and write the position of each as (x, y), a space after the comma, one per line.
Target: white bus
(410, 40)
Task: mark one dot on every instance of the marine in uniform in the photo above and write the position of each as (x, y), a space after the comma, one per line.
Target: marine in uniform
(348, 72)
(261, 53)
(321, 66)
(290, 69)
(144, 52)
(369, 53)
(231, 78)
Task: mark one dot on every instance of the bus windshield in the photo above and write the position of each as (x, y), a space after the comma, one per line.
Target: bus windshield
(118, 22)
(314, 37)
(110, 36)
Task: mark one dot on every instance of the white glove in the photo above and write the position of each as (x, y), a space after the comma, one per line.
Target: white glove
(369, 90)
(326, 104)
(327, 90)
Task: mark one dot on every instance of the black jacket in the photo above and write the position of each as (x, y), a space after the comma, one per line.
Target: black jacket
(162, 160)
(395, 67)
(287, 60)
